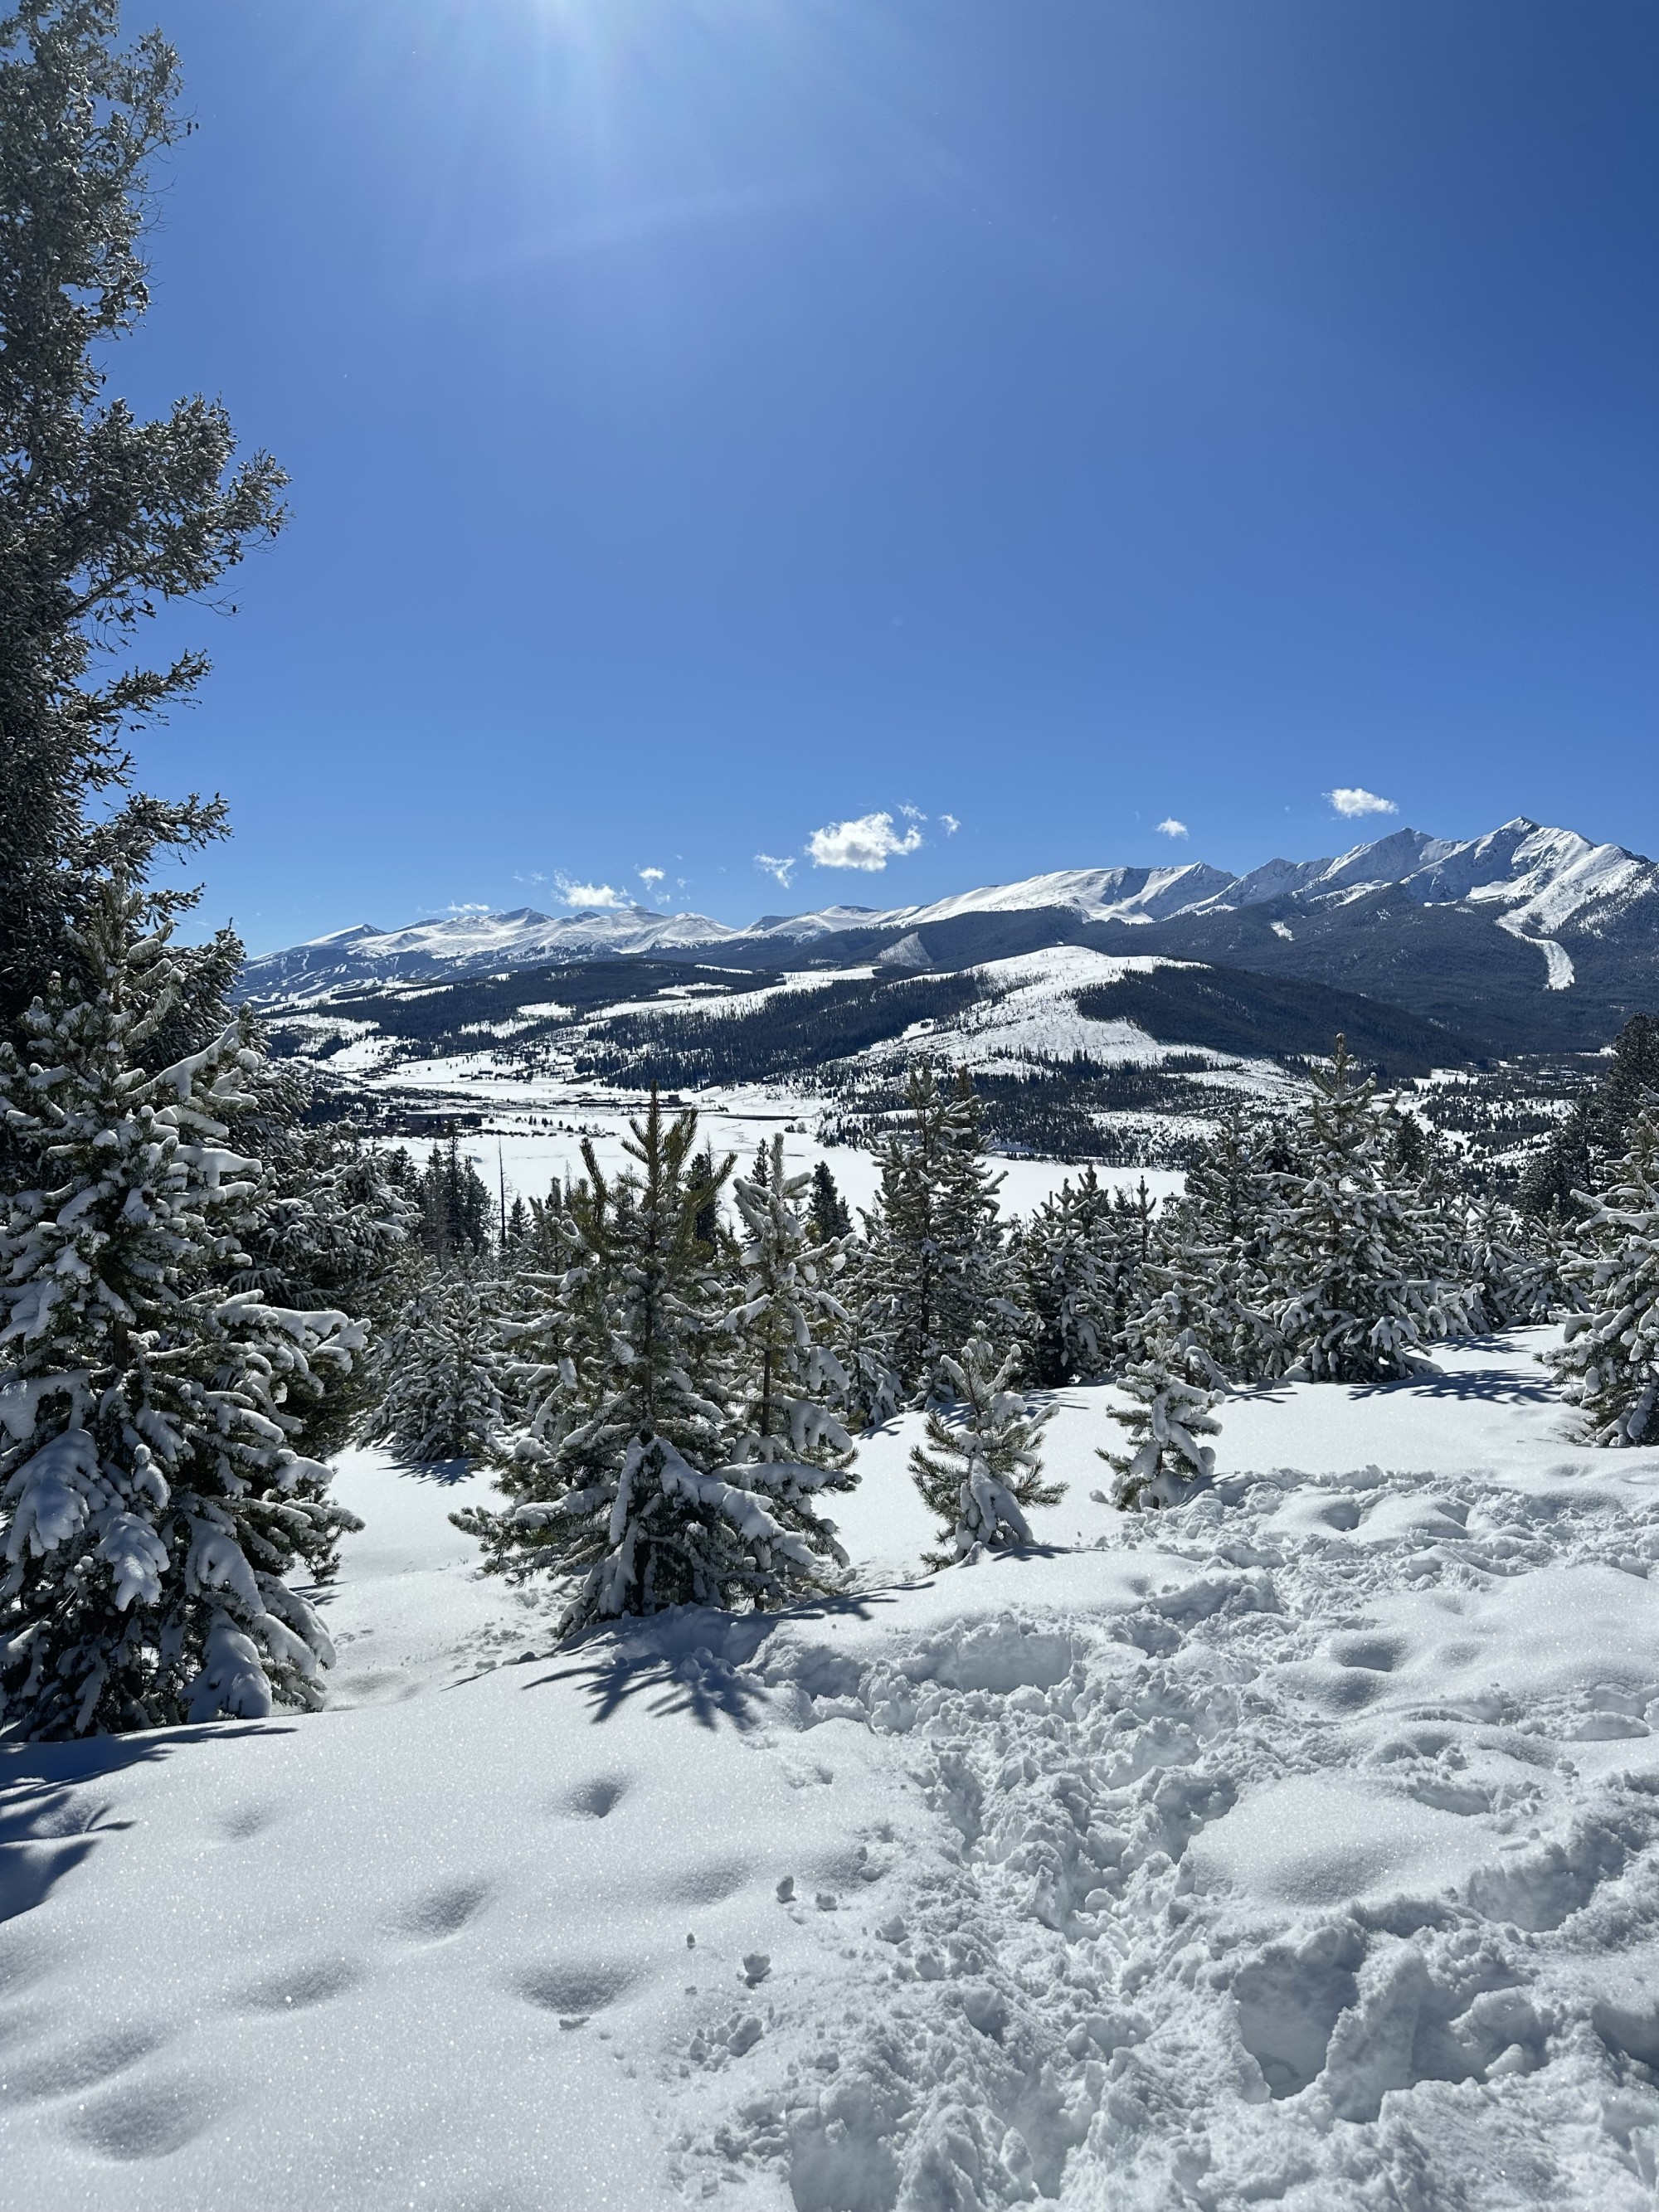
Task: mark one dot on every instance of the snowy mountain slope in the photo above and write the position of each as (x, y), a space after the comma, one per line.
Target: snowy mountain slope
(1299, 1846)
(1526, 938)
(470, 944)
(1068, 1013)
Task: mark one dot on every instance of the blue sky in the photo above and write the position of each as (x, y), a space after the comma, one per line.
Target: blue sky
(715, 421)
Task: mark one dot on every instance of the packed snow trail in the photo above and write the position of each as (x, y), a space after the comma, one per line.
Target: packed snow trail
(1298, 1847)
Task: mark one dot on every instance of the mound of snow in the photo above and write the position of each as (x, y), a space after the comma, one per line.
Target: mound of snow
(1299, 1846)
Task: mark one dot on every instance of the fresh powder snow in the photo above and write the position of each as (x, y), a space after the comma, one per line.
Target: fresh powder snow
(1299, 1846)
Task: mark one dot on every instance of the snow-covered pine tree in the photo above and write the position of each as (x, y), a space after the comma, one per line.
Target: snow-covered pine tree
(790, 1384)
(1505, 1267)
(936, 1268)
(1227, 1213)
(1584, 1149)
(980, 1471)
(864, 1341)
(1609, 1362)
(333, 1225)
(1352, 1307)
(150, 1503)
(1172, 1383)
(622, 1478)
(1125, 1240)
(1069, 1282)
(442, 1365)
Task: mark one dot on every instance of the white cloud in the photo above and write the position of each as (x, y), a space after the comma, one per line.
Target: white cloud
(773, 866)
(1170, 828)
(587, 895)
(949, 824)
(464, 908)
(649, 875)
(868, 843)
(1350, 800)
(913, 814)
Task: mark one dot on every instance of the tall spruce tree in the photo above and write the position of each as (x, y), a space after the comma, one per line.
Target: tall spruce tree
(1353, 1305)
(1223, 1229)
(151, 1503)
(1068, 1282)
(936, 1270)
(443, 1367)
(456, 1212)
(1609, 1362)
(791, 1384)
(104, 517)
(831, 1218)
(622, 1479)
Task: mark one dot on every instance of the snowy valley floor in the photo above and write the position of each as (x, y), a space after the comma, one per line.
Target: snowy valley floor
(1298, 1848)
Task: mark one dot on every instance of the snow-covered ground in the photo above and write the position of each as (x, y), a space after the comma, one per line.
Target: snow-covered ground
(1299, 1847)
(532, 1137)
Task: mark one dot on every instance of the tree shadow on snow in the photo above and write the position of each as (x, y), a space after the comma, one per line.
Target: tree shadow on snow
(46, 1828)
(671, 1660)
(445, 1471)
(1495, 1387)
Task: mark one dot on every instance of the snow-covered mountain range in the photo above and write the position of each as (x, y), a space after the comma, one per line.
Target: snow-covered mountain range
(1480, 934)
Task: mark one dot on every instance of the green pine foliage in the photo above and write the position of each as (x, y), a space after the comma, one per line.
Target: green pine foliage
(622, 1481)
(442, 1367)
(103, 516)
(1506, 1264)
(830, 1216)
(1584, 1152)
(936, 1269)
(456, 1209)
(980, 1469)
(1609, 1361)
(1224, 1225)
(152, 1505)
(1354, 1305)
(790, 1382)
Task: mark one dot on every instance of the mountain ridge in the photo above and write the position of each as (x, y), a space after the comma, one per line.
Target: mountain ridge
(1528, 936)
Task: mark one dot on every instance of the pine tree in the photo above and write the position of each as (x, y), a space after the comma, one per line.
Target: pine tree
(1510, 1280)
(333, 1225)
(1353, 1307)
(863, 1341)
(1609, 1362)
(1068, 1284)
(980, 1473)
(1584, 1151)
(830, 1216)
(103, 516)
(456, 1207)
(936, 1268)
(151, 1502)
(442, 1367)
(622, 1479)
(1224, 1224)
(791, 1381)
(1172, 1383)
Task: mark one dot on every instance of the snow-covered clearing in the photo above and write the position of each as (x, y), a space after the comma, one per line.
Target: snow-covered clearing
(1300, 1847)
(1035, 1015)
(532, 1137)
